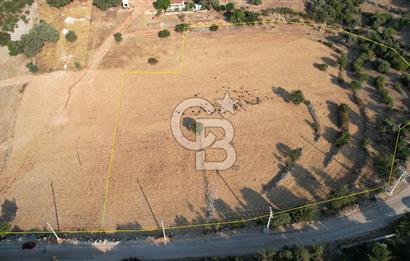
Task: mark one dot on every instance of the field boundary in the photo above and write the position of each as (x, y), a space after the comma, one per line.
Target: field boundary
(227, 222)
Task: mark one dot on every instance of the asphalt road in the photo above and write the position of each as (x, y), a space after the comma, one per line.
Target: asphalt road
(375, 217)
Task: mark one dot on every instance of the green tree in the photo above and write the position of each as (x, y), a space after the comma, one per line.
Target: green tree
(380, 80)
(323, 67)
(281, 220)
(355, 85)
(162, 4)
(304, 214)
(105, 4)
(4, 38)
(71, 36)
(15, 48)
(342, 138)
(181, 27)
(152, 60)
(163, 33)
(342, 61)
(343, 112)
(382, 66)
(295, 154)
(118, 37)
(229, 7)
(58, 3)
(297, 97)
(403, 228)
(380, 252)
(405, 80)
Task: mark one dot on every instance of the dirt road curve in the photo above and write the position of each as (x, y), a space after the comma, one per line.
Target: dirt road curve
(337, 228)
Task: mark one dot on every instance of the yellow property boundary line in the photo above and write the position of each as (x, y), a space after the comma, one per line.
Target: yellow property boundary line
(229, 222)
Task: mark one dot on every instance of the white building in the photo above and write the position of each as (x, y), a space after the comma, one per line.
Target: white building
(177, 5)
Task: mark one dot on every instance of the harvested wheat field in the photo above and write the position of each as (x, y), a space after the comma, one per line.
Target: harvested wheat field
(58, 169)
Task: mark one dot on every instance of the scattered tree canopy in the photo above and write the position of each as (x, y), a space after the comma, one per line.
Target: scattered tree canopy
(105, 4)
(162, 4)
(58, 3)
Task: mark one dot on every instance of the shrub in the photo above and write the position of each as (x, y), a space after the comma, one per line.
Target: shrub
(380, 82)
(78, 65)
(15, 48)
(255, 2)
(403, 228)
(342, 61)
(342, 138)
(342, 201)
(343, 113)
(105, 4)
(4, 38)
(355, 85)
(58, 3)
(281, 220)
(71, 36)
(242, 15)
(181, 27)
(382, 66)
(323, 67)
(118, 37)
(304, 214)
(295, 154)
(214, 27)
(229, 7)
(383, 164)
(365, 143)
(163, 33)
(297, 97)
(162, 4)
(386, 98)
(32, 67)
(152, 60)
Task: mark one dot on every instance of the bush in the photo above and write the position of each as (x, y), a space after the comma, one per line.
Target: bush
(355, 85)
(342, 138)
(15, 48)
(58, 3)
(162, 4)
(153, 61)
(323, 67)
(343, 201)
(379, 82)
(78, 65)
(386, 98)
(71, 36)
(214, 27)
(4, 38)
(382, 66)
(105, 4)
(117, 37)
(342, 61)
(240, 16)
(163, 33)
(304, 214)
(181, 27)
(297, 97)
(255, 2)
(10, 13)
(32, 67)
(295, 155)
(281, 220)
(383, 164)
(344, 114)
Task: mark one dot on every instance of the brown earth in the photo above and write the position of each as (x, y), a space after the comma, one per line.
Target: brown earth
(58, 167)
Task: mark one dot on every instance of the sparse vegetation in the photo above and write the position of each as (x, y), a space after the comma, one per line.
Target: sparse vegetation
(164, 33)
(355, 85)
(382, 66)
(71, 36)
(255, 2)
(118, 37)
(105, 4)
(58, 3)
(297, 97)
(10, 13)
(32, 42)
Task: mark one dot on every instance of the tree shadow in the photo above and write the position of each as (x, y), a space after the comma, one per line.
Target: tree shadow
(332, 107)
(329, 61)
(281, 92)
(181, 220)
(129, 226)
(8, 211)
(283, 149)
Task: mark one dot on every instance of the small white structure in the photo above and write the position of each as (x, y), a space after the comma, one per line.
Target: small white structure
(197, 7)
(125, 4)
(177, 5)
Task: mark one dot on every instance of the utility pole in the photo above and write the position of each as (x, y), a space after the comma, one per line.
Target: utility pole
(269, 220)
(403, 174)
(163, 232)
(55, 234)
